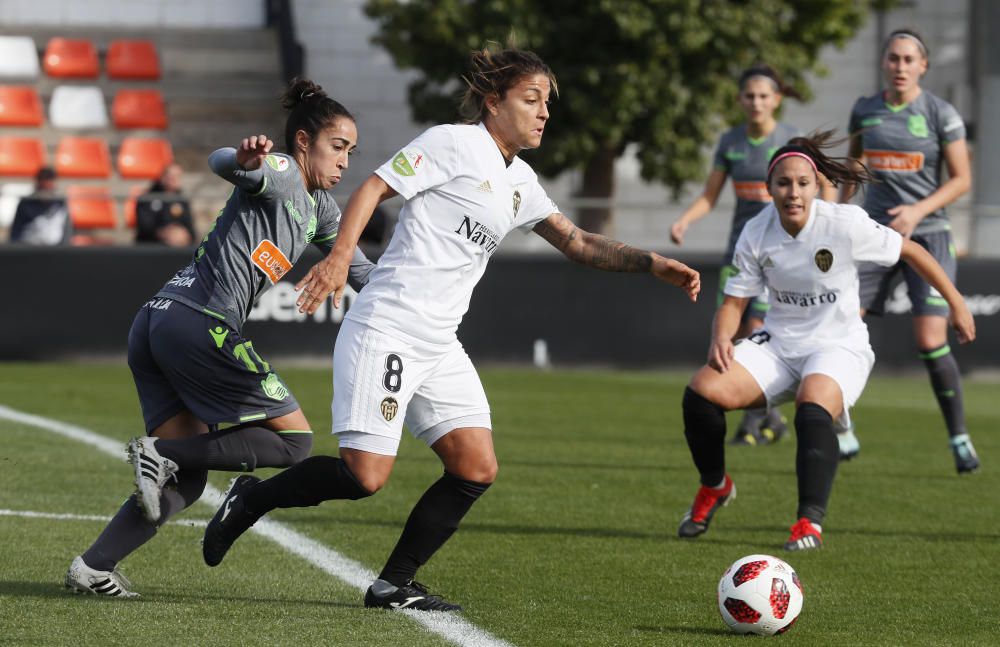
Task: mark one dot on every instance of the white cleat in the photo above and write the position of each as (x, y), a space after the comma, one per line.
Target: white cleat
(152, 471)
(80, 578)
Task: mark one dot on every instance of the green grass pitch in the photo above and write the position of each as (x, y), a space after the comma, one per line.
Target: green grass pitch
(574, 545)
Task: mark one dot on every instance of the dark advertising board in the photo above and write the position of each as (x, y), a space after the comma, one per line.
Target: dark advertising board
(59, 303)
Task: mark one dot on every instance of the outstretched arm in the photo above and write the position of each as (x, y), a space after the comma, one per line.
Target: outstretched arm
(612, 256)
(929, 270)
(330, 274)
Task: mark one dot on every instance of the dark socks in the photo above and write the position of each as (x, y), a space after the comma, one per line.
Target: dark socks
(309, 483)
(946, 380)
(705, 431)
(237, 449)
(129, 529)
(433, 520)
(816, 459)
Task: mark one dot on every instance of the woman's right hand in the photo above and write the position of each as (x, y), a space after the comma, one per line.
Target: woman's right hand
(328, 275)
(720, 354)
(252, 150)
(677, 232)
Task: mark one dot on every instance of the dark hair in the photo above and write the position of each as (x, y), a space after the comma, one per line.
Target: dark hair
(309, 109)
(911, 34)
(838, 170)
(493, 72)
(765, 70)
(45, 174)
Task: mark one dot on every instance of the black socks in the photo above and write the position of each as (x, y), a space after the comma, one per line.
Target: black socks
(309, 483)
(816, 459)
(433, 520)
(705, 431)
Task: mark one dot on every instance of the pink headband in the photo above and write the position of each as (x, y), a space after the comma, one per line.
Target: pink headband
(777, 159)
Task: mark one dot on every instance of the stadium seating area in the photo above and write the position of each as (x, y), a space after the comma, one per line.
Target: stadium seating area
(96, 106)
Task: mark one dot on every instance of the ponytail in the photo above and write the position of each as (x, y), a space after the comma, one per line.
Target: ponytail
(310, 109)
(839, 170)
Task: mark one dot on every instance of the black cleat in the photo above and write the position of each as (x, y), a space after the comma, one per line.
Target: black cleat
(412, 595)
(230, 521)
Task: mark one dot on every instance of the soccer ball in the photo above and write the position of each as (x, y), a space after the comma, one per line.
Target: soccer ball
(760, 594)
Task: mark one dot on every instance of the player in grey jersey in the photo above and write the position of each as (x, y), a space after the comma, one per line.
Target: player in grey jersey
(193, 369)
(743, 153)
(907, 136)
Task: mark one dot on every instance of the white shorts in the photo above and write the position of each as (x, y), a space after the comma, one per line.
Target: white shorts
(380, 382)
(779, 377)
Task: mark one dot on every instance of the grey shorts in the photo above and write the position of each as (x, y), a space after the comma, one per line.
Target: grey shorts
(876, 280)
(185, 359)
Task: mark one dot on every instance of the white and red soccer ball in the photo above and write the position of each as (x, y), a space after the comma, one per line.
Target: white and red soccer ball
(760, 594)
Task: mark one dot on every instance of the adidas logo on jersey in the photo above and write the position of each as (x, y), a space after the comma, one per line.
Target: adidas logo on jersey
(485, 187)
(768, 262)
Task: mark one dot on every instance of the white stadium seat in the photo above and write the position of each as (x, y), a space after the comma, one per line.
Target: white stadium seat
(78, 106)
(18, 57)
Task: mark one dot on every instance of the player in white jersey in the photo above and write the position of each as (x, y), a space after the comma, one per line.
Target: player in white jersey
(907, 136)
(814, 345)
(397, 357)
(742, 154)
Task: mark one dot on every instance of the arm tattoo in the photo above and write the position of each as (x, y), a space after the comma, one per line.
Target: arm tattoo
(606, 254)
(559, 237)
(592, 249)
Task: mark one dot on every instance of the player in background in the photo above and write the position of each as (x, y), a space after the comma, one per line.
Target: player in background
(192, 367)
(397, 356)
(906, 136)
(742, 154)
(814, 345)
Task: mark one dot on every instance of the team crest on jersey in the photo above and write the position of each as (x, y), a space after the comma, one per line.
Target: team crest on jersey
(917, 125)
(389, 407)
(517, 202)
(277, 162)
(824, 260)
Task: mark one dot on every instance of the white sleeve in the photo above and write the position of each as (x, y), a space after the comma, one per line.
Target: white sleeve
(428, 161)
(749, 279)
(871, 241)
(535, 206)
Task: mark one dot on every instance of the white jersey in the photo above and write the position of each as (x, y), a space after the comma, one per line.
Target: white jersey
(812, 278)
(461, 200)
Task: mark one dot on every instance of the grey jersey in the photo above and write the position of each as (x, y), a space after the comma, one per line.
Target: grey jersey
(267, 222)
(745, 160)
(903, 147)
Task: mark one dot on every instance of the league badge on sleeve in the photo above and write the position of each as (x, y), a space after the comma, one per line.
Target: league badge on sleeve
(517, 202)
(407, 162)
(277, 162)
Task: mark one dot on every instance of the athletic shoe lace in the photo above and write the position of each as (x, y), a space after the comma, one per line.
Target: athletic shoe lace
(802, 528)
(704, 500)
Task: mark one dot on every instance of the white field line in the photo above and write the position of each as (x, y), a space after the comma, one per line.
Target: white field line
(451, 627)
(58, 516)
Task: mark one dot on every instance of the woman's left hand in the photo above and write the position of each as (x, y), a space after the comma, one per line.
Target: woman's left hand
(679, 274)
(964, 324)
(905, 218)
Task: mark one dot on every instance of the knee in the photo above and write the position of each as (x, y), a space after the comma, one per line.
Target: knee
(371, 482)
(710, 391)
(483, 471)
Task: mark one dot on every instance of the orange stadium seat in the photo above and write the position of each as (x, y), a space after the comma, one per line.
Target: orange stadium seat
(20, 106)
(70, 58)
(144, 158)
(132, 59)
(21, 156)
(83, 157)
(139, 109)
(91, 207)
